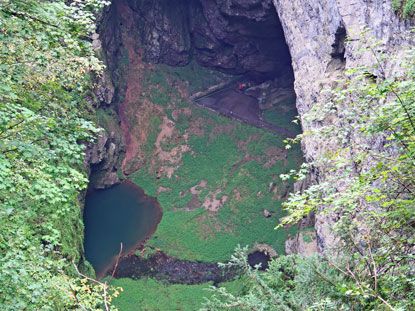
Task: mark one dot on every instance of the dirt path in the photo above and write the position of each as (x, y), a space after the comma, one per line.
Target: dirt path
(241, 107)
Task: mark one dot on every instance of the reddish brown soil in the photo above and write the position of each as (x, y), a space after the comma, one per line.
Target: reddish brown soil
(134, 115)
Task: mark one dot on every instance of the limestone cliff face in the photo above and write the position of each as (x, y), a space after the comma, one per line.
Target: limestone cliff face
(103, 157)
(232, 36)
(315, 32)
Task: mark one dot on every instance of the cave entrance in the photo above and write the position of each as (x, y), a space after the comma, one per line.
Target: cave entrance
(243, 41)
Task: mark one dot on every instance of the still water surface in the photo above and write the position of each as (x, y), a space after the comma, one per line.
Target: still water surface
(122, 213)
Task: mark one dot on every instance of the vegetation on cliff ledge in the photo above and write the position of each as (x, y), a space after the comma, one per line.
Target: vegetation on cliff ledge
(45, 65)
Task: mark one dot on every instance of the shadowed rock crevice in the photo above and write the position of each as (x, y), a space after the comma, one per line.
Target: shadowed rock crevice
(339, 43)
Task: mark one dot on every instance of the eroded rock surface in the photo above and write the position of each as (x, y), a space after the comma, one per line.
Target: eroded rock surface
(164, 30)
(237, 36)
(315, 33)
(304, 243)
(103, 157)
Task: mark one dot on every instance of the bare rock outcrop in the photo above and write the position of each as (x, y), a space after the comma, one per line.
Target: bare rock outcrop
(315, 32)
(164, 30)
(303, 243)
(239, 36)
(103, 158)
(266, 213)
(104, 90)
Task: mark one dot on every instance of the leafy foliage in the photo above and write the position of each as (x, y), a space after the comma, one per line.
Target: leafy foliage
(290, 283)
(45, 63)
(370, 184)
(406, 8)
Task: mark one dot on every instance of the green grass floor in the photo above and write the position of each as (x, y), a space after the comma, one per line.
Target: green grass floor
(234, 158)
(152, 295)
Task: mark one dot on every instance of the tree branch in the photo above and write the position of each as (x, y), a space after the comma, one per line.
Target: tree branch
(116, 264)
(267, 291)
(105, 284)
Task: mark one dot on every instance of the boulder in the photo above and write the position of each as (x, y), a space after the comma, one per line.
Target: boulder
(266, 213)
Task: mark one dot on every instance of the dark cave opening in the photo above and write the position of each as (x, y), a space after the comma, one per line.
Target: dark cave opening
(257, 258)
(338, 48)
(242, 39)
(236, 37)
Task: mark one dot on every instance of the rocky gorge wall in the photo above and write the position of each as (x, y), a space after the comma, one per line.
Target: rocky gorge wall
(315, 32)
(103, 158)
(236, 37)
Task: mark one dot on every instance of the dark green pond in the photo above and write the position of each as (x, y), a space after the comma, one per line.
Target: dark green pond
(122, 213)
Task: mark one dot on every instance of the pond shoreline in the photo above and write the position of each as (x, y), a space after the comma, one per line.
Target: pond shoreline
(115, 217)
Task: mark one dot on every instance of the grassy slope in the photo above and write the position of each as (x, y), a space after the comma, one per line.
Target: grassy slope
(282, 117)
(196, 234)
